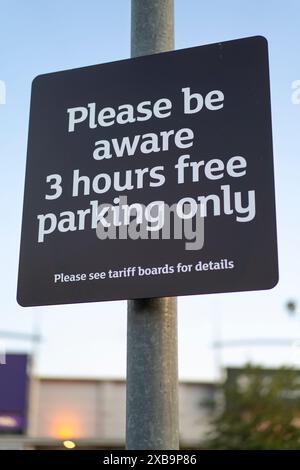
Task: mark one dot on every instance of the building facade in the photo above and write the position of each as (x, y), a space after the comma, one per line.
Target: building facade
(91, 413)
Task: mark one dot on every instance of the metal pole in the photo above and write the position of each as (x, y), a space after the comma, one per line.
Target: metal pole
(152, 26)
(152, 358)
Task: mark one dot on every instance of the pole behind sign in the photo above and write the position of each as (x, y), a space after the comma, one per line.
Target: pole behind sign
(152, 358)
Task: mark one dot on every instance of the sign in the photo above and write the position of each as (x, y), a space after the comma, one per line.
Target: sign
(150, 177)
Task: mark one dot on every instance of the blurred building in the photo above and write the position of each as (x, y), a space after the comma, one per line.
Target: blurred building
(53, 413)
(91, 413)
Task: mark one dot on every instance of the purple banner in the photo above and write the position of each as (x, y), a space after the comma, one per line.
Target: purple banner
(13, 393)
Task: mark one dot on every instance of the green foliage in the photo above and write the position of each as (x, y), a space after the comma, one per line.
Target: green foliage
(261, 411)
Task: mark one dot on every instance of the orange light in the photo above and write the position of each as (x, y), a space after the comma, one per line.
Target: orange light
(69, 444)
(66, 426)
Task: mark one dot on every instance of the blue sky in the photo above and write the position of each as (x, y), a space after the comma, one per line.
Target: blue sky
(90, 339)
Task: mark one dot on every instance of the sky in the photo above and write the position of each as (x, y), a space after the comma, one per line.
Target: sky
(89, 340)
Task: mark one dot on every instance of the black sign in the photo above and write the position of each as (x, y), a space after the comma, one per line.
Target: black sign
(151, 177)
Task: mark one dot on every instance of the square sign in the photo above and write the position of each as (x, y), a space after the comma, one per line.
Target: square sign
(151, 177)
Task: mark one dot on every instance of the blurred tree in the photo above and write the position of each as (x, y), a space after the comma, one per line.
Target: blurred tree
(261, 411)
